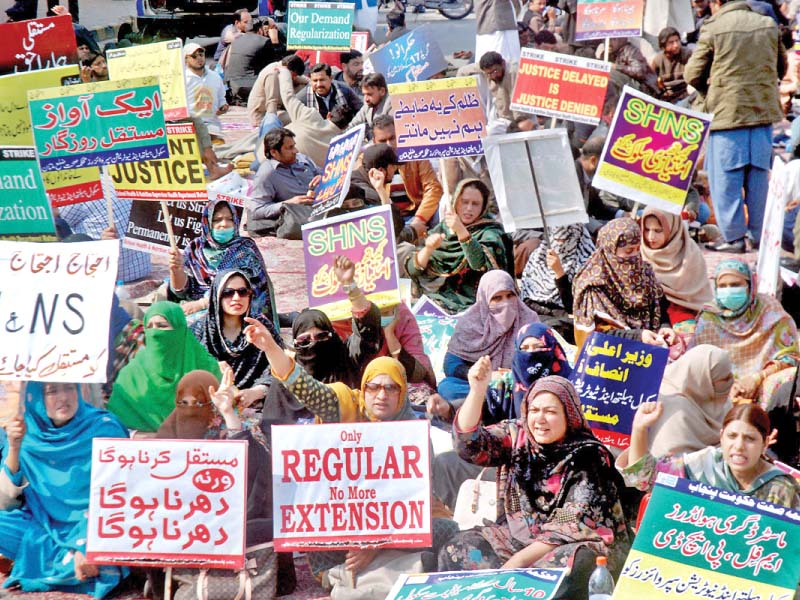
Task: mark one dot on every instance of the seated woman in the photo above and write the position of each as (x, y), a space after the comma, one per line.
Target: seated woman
(737, 464)
(220, 247)
(561, 494)
(487, 327)
(457, 252)
(678, 264)
(403, 341)
(615, 288)
(221, 331)
(44, 492)
(144, 392)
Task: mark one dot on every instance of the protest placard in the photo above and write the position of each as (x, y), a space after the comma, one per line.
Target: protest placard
(147, 229)
(425, 307)
(651, 151)
(351, 485)
(24, 210)
(697, 541)
(438, 118)
(72, 186)
(436, 333)
(101, 123)
(613, 376)
(339, 162)
(769, 250)
(179, 177)
(609, 19)
(562, 86)
(320, 25)
(161, 59)
(37, 44)
(171, 502)
(509, 158)
(367, 238)
(54, 301)
(232, 188)
(413, 57)
(509, 584)
(359, 40)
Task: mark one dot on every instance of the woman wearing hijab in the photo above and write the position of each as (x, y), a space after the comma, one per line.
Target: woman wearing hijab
(221, 332)
(218, 248)
(561, 494)
(458, 251)
(678, 264)
(144, 392)
(487, 327)
(615, 288)
(44, 492)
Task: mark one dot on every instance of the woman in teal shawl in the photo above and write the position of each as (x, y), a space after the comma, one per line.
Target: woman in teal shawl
(44, 492)
(461, 249)
(144, 392)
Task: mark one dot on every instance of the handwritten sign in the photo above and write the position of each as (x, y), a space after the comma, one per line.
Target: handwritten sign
(562, 86)
(37, 44)
(163, 60)
(351, 485)
(413, 57)
(339, 162)
(24, 210)
(599, 19)
(509, 584)
(320, 25)
(367, 238)
(769, 252)
(697, 541)
(513, 179)
(54, 303)
(174, 502)
(651, 151)
(98, 124)
(72, 186)
(438, 118)
(613, 376)
(179, 177)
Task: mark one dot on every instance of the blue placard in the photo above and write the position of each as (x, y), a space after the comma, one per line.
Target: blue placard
(416, 56)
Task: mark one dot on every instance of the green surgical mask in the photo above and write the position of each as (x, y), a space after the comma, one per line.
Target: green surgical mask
(223, 236)
(732, 298)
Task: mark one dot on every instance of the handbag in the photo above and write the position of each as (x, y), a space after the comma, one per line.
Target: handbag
(292, 218)
(476, 502)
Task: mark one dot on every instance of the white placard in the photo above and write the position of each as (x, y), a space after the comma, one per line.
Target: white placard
(769, 251)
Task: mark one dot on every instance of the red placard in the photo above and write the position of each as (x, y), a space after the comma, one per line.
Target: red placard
(37, 44)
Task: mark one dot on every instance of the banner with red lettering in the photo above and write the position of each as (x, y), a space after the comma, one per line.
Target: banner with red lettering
(37, 44)
(172, 502)
(562, 86)
(351, 485)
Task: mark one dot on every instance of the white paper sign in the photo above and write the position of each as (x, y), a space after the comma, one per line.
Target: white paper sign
(769, 251)
(174, 502)
(55, 302)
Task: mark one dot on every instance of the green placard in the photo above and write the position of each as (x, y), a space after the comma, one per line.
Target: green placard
(24, 210)
(320, 25)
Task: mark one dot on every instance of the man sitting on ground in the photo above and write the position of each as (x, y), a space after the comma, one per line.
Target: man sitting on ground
(352, 71)
(323, 93)
(376, 102)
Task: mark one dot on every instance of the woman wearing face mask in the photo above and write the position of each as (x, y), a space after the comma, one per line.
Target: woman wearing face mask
(759, 335)
(218, 248)
(144, 392)
(487, 327)
(737, 464)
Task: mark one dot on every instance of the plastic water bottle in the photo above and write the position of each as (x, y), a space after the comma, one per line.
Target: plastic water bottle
(601, 584)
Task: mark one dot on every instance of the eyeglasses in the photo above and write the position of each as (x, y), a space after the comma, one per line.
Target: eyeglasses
(390, 389)
(304, 340)
(242, 292)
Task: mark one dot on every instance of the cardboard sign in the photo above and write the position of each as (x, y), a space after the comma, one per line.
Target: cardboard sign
(351, 485)
(599, 19)
(413, 57)
(339, 162)
(651, 151)
(697, 541)
(99, 123)
(24, 210)
(320, 25)
(54, 302)
(509, 584)
(367, 238)
(171, 502)
(561, 86)
(438, 118)
(37, 44)
(179, 177)
(163, 60)
(72, 186)
(613, 376)
(556, 179)
(769, 252)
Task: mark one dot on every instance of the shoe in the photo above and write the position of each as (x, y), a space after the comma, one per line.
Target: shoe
(419, 9)
(735, 247)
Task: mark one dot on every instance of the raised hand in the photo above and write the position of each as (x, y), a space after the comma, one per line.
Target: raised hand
(257, 334)
(223, 397)
(480, 374)
(647, 414)
(344, 269)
